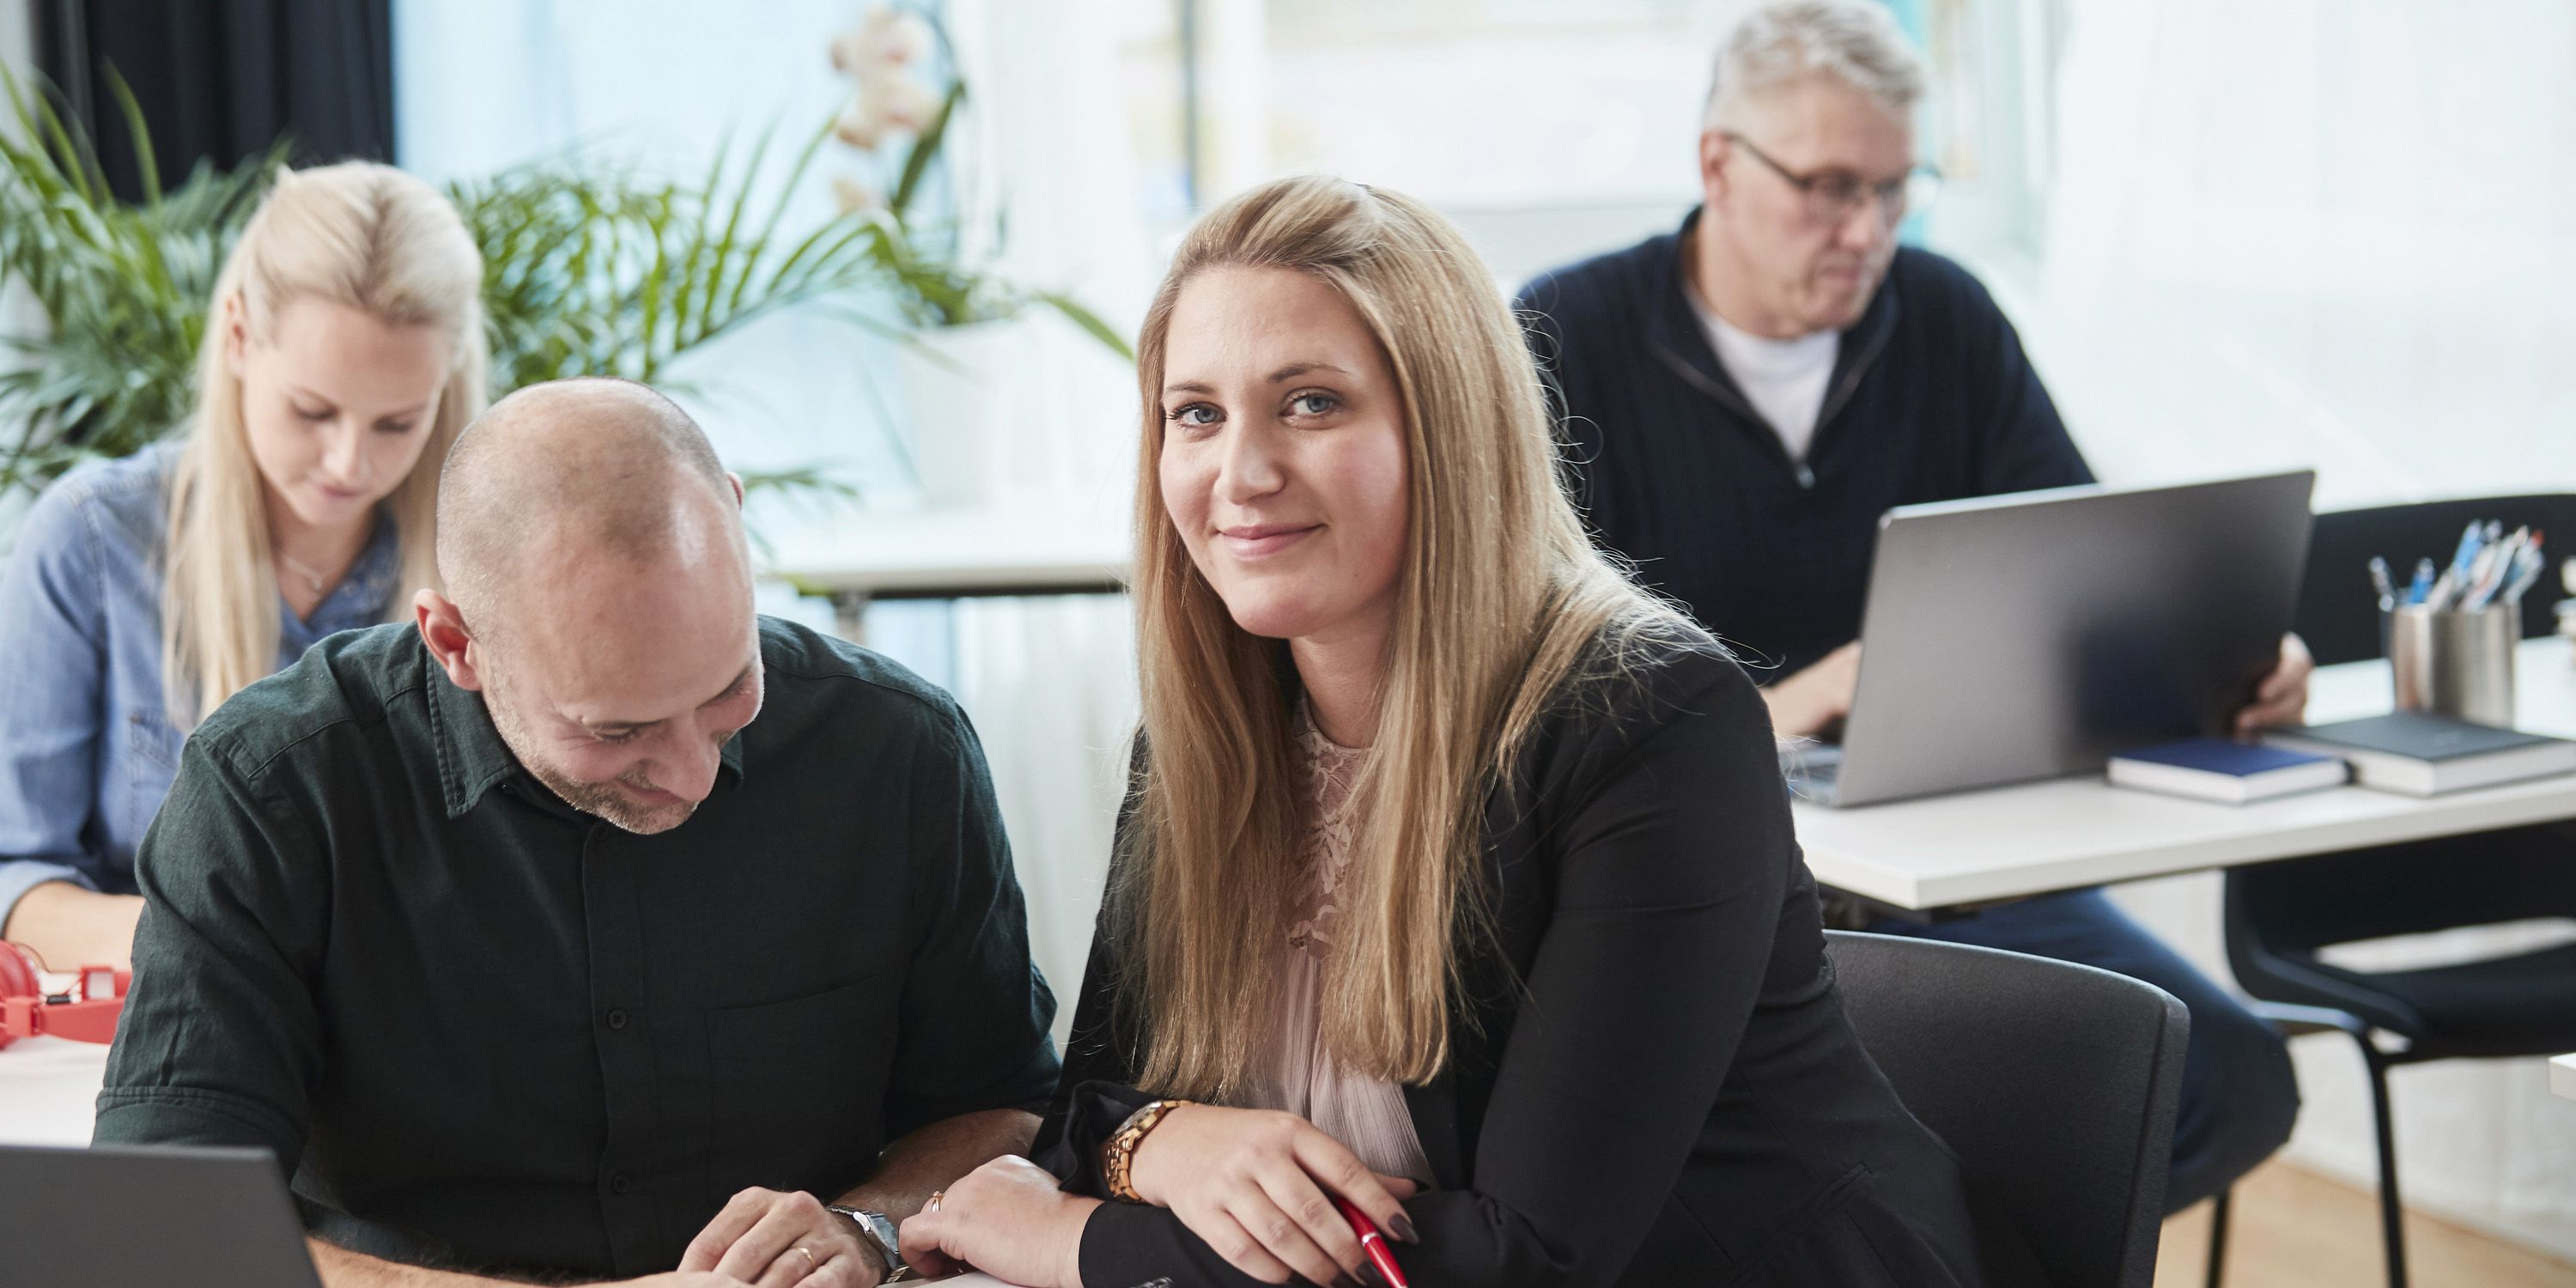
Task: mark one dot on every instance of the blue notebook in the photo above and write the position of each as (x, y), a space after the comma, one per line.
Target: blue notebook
(2218, 770)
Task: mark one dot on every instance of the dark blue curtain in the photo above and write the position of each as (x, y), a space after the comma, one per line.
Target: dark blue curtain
(221, 80)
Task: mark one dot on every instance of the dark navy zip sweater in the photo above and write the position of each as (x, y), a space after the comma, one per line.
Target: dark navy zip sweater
(1931, 399)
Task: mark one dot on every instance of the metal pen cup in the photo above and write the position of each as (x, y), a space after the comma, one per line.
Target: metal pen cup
(2452, 663)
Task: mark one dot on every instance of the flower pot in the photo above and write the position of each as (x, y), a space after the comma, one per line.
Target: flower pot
(961, 406)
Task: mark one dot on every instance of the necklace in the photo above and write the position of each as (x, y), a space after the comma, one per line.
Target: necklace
(311, 578)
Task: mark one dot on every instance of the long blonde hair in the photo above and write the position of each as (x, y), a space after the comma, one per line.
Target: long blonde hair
(1501, 597)
(359, 234)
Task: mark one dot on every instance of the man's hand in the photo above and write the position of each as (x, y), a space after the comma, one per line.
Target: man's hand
(2282, 698)
(1811, 701)
(1008, 1219)
(773, 1240)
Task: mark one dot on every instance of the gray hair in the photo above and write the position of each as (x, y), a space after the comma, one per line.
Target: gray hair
(1856, 41)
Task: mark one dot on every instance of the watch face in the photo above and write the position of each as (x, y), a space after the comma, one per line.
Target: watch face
(881, 1231)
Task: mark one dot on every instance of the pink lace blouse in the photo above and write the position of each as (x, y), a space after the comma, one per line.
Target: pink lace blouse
(1366, 1114)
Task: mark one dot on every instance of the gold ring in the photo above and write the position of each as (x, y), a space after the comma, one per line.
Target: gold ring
(935, 1197)
(811, 1265)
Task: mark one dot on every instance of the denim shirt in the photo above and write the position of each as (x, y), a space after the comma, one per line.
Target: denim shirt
(87, 748)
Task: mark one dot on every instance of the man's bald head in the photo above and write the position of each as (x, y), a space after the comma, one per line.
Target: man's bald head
(598, 596)
(574, 474)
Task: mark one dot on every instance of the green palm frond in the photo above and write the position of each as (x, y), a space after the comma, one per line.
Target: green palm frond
(122, 287)
(591, 270)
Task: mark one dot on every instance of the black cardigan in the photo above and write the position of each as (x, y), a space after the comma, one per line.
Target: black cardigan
(1931, 399)
(1652, 1079)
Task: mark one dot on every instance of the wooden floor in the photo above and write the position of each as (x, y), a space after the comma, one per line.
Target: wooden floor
(2291, 1228)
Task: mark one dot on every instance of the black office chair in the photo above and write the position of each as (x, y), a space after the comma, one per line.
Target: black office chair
(2280, 914)
(2338, 613)
(2056, 1085)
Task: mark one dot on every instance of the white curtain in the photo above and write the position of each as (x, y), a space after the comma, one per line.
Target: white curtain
(1050, 683)
(2322, 233)
(2331, 234)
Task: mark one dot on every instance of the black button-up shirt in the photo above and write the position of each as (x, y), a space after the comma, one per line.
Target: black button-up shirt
(482, 1029)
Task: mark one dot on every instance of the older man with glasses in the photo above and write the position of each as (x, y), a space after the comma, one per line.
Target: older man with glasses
(1746, 396)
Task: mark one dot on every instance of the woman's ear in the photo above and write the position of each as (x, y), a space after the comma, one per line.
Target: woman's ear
(236, 332)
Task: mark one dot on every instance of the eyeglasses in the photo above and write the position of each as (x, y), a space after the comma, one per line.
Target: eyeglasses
(1832, 195)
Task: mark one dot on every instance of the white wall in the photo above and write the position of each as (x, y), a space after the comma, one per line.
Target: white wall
(18, 37)
(2328, 234)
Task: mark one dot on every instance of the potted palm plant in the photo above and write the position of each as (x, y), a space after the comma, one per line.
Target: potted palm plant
(590, 268)
(962, 366)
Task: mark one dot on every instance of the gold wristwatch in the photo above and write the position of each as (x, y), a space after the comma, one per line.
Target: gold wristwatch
(1118, 1156)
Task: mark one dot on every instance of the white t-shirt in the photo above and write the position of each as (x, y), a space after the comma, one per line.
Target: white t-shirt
(1783, 379)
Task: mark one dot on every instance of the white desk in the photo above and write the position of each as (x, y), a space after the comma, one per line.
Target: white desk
(1031, 546)
(2562, 1075)
(49, 1091)
(2069, 833)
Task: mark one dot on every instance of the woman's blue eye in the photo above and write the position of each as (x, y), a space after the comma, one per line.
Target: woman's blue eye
(1190, 415)
(1314, 404)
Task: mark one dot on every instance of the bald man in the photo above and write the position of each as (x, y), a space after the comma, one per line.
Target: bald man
(590, 926)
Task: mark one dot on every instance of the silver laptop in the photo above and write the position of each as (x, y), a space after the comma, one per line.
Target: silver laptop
(208, 1218)
(2029, 636)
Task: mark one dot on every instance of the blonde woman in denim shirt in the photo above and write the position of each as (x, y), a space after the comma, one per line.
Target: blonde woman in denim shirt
(343, 353)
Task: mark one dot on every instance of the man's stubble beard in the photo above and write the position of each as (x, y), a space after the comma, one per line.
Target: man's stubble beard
(599, 800)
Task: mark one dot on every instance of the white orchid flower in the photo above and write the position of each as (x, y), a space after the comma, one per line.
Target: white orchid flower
(890, 38)
(898, 100)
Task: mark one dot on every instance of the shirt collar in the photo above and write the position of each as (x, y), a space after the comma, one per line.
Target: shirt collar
(1674, 331)
(473, 759)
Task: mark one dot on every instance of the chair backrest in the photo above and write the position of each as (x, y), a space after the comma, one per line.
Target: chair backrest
(2055, 1084)
(2338, 612)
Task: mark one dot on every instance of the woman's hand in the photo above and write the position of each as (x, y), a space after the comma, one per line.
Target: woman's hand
(1008, 1219)
(70, 927)
(1257, 1187)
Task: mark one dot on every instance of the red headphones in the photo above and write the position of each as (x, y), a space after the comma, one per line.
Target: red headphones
(87, 1014)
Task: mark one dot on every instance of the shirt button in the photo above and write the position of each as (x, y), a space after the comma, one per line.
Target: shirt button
(616, 1018)
(620, 1183)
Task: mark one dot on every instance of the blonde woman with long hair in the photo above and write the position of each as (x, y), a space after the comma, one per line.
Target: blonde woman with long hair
(343, 352)
(1457, 879)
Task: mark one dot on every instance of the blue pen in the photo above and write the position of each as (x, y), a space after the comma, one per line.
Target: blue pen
(2469, 543)
(2423, 583)
(2526, 570)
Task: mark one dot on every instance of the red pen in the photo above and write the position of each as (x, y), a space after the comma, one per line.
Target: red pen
(1372, 1243)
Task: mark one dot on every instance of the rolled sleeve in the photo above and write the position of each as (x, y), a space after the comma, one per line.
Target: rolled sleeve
(221, 1041)
(976, 1012)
